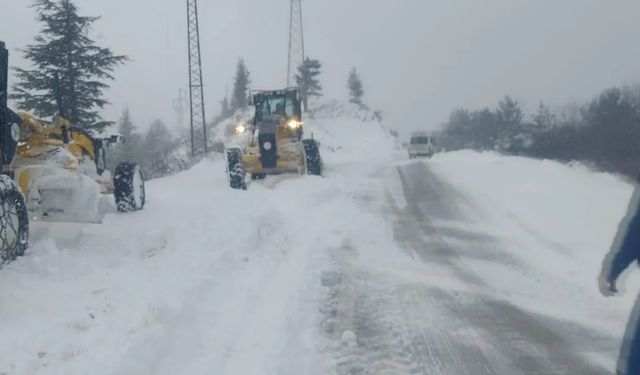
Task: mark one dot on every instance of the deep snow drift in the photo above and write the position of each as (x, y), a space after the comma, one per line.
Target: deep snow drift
(211, 280)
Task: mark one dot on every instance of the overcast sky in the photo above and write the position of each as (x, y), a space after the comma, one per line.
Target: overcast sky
(418, 59)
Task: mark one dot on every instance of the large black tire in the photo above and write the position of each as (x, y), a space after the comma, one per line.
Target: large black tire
(128, 187)
(312, 158)
(235, 169)
(14, 221)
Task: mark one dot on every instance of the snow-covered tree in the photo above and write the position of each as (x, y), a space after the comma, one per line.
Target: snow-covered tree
(355, 87)
(307, 80)
(159, 144)
(544, 118)
(225, 108)
(240, 87)
(130, 148)
(69, 68)
(509, 112)
(513, 134)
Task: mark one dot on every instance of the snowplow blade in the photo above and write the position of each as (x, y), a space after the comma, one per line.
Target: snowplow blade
(64, 197)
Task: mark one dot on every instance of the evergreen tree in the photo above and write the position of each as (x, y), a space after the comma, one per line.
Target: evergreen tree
(129, 149)
(125, 126)
(509, 112)
(158, 146)
(225, 110)
(458, 129)
(70, 70)
(612, 126)
(354, 85)
(544, 119)
(485, 129)
(307, 80)
(240, 87)
(511, 132)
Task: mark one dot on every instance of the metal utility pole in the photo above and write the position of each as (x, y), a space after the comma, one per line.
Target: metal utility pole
(4, 83)
(196, 88)
(296, 42)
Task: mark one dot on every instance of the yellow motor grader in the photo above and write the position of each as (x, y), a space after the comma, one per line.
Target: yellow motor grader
(59, 174)
(61, 170)
(276, 145)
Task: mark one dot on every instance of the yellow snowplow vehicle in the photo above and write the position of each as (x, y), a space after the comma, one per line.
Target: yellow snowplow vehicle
(53, 172)
(276, 145)
(61, 170)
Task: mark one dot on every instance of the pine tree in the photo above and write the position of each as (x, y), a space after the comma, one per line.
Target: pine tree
(544, 119)
(509, 112)
(70, 70)
(225, 110)
(130, 148)
(307, 80)
(356, 90)
(240, 87)
(125, 126)
(511, 131)
(158, 146)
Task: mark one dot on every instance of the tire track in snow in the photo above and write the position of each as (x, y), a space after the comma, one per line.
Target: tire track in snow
(532, 344)
(415, 328)
(397, 331)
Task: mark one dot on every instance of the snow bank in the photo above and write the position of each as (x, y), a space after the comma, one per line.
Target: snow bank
(346, 132)
(349, 132)
(559, 219)
(204, 279)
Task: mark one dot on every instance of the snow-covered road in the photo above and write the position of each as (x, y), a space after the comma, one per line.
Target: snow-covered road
(464, 264)
(451, 320)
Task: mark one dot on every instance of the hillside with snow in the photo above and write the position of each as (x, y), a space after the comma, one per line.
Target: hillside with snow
(346, 131)
(367, 270)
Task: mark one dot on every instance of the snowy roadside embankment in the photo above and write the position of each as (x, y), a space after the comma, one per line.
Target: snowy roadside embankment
(202, 271)
(557, 219)
(348, 132)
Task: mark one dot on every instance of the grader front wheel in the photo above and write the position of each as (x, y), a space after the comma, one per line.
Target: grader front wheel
(235, 169)
(129, 187)
(14, 221)
(313, 160)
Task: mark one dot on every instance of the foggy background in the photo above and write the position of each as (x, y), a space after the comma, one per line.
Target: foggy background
(418, 59)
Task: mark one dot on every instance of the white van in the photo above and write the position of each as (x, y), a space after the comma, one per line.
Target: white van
(421, 145)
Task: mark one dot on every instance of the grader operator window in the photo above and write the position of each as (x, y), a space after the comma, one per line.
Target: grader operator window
(275, 105)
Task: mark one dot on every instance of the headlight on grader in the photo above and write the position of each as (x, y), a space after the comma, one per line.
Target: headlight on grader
(240, 129)
(294, 124)
(15, 132)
